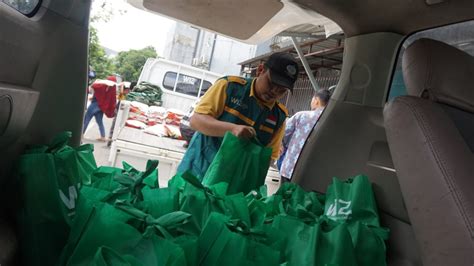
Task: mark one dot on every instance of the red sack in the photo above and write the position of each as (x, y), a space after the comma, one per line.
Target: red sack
(105, 92)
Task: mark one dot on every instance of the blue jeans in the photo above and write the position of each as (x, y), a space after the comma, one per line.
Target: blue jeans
(94, 111)
(280, 160)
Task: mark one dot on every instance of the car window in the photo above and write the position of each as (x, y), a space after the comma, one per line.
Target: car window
(27, 7)
(205, 86)
(460, 35)
(185, 84)
(169, 80)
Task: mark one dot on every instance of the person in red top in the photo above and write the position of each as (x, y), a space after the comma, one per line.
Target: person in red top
(103, 102)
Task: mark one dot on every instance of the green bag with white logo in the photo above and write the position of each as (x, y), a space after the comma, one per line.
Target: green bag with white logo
(352, 199)
(352, 202)
(49, 178)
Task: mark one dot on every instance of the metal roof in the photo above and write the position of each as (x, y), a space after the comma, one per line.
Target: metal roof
(319, 52)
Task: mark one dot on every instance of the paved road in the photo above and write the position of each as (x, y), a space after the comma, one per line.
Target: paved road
(101, 151)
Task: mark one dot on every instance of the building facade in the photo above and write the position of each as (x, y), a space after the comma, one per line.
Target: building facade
(206, 50)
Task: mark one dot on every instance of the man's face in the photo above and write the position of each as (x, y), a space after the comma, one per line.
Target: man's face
(268, 91)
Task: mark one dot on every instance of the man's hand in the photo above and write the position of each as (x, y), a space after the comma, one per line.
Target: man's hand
(245, 132)
(210, 126)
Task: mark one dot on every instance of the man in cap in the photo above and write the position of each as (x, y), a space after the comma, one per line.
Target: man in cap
(246, 107)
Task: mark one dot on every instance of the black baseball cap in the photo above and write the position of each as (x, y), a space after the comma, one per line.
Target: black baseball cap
(283, 69)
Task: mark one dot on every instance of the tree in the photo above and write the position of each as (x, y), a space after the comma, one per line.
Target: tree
(130, 63)
(98, 60)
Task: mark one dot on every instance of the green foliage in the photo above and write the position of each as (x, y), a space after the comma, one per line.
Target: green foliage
(98, 60)
(105, 12)
(129, 64)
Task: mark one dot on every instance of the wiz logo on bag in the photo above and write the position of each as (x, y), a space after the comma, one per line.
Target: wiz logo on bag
(70, 200)
(339, 210)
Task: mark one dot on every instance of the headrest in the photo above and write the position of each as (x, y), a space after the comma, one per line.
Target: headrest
(440, 72)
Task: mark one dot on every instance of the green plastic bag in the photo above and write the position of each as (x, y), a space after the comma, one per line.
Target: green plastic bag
(98, 224)
(106, 256)
(189, 245)
(239, 162)
(237, 208)
(89, 197)
(154, 250)
(158, 202)
(50, 177)
(163, 243)
(200, 201)
(104, 180)
(369, 243)
(317, 244)
(167, 226)
(247, 209)
(227, 242)
(87, 163)
(294, 201)
(134, 234)
(257, 207)
(149, 177)
(352, 199)
(127, 184)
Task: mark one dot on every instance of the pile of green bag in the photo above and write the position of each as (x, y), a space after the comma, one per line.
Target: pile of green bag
(122, 217)
(50, 178)
(146, 93)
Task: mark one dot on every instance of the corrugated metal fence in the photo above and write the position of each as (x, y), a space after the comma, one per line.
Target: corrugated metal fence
(300, 99)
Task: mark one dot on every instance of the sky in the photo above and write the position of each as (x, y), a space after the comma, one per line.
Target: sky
(134, 29)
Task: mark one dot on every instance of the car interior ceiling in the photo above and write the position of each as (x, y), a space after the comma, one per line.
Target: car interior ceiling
(43, 71)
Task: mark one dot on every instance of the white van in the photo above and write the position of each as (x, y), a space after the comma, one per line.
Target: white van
(182, 85)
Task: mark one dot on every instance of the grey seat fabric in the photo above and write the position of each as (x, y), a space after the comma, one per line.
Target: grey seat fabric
(430, 135)
(8, 244)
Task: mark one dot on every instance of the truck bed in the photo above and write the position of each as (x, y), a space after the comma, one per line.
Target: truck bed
(137, 136)
(136, 148)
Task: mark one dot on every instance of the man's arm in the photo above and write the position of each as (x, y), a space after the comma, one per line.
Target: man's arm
(210, 126)
(275, 143)
(209, 108)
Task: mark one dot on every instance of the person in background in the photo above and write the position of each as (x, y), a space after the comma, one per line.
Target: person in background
(248, 108)
(103, 102)
(185, 127)
(297, 131)
(122, 92)
(91, 76)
